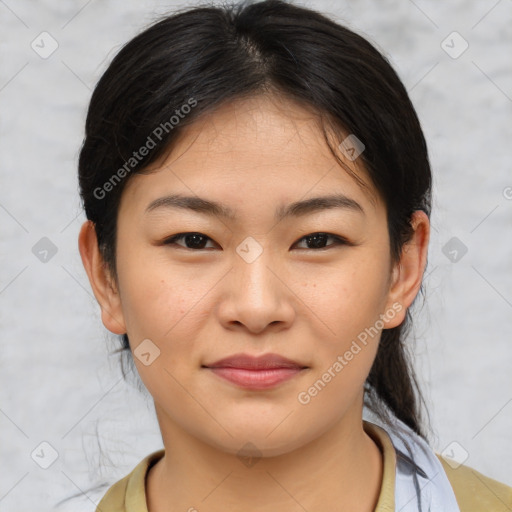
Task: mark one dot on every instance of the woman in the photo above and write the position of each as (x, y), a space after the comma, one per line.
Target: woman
(257, 188)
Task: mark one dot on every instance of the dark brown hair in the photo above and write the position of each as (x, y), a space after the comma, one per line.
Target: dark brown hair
(205, 56)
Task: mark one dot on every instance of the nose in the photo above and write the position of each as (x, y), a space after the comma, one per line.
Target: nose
(257, 296)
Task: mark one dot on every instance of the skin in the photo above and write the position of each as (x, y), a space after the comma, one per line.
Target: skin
(307, 304)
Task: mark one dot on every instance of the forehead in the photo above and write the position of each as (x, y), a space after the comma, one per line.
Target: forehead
(254, 150)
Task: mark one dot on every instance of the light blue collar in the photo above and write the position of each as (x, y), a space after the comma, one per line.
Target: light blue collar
(421, 484)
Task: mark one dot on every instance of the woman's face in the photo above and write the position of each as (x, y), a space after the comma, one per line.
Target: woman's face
(254, 283)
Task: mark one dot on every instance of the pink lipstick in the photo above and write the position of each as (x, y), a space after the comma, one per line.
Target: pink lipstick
(250, 372)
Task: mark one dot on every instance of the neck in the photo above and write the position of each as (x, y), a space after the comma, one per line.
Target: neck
(343, 467)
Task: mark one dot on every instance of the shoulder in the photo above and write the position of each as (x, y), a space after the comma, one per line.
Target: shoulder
(114, 499)
(129, 493)
(475, 492)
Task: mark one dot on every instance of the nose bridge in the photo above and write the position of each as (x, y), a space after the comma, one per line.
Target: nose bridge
(252, 273)
(256, 297)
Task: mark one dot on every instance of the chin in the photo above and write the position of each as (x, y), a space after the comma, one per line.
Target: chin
(251, 448)
(257, 440)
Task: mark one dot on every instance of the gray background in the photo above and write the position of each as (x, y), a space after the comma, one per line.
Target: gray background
(59, 384)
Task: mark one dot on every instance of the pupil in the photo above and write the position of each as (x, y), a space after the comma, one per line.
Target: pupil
(317, 240)
(196, 240)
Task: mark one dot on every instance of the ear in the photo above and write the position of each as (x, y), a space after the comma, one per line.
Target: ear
(102, 283)
(407, 274)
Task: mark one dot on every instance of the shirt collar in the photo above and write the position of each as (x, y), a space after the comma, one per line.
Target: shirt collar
(421, 483)
(386, 501)
(135, 499)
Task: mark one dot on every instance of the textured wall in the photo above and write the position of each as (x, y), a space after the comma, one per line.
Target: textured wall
(60, 386)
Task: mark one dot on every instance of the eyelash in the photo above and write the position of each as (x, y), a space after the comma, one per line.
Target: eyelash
(338, 240)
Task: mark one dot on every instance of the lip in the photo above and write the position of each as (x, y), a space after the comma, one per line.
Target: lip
(256, 372)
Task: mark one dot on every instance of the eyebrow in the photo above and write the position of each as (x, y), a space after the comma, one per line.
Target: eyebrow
(295, 209)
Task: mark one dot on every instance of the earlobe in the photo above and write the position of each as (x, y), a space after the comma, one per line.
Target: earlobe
(408, 272)
(100, 279)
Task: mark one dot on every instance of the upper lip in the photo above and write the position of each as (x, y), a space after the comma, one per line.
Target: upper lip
(248, 362)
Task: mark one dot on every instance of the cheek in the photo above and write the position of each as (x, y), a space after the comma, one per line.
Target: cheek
(342, 360)
(349, 301)
(349, 297)
(160, 300)
(165, 305)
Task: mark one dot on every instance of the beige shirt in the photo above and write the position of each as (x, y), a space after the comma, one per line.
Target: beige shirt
(474, 491)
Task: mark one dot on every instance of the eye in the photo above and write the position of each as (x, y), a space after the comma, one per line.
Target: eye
(318, 240)
(192, 240)
(198, 241)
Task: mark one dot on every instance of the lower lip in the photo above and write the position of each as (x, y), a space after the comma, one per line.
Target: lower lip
(256, 379)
